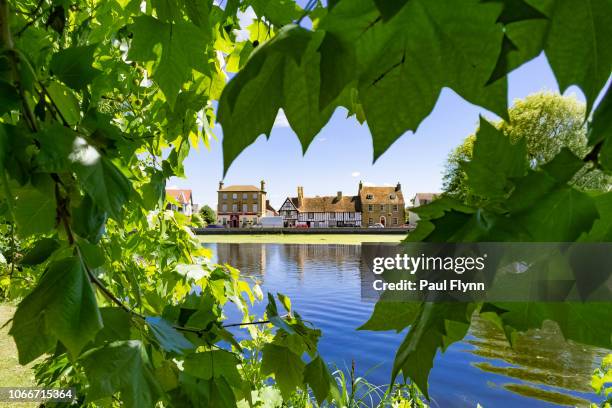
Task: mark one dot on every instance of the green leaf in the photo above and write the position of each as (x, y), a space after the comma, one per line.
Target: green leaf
(602, 227)
(93, 255)
(62, 307)
(585, 323)
(286, 302)
(73, 66)
(579, 56)
(494, 162)
(323, 385)
(278, 12)
(66, 102)
(213, 364)
(600, 131)
(213, 393)
(286, 366)
(168, 337)
(284, 73)
(88, 220)
(40, 252)
(516, 10)
(121, 366)
(405, 62)
(389, 8)
(34, 208)
(9, 98)
(63, 150)
(391, 316)
(274, 318)
(106, 185)
(117, 325)
(177, 56)
(437, 326)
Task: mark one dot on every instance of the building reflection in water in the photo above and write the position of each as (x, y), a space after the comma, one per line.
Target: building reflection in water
(544, 363)
(254, 259)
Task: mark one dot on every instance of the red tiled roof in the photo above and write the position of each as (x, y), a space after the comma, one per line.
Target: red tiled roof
(182, 196)
(327, 204)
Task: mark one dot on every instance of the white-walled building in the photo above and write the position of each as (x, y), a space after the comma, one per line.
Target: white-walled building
(321, 211)
(418, 200)
(183, 201)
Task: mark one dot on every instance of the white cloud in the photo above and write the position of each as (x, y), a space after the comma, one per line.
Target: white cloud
(368, 184)
(281, 119)
(322, 139)
(355, 174)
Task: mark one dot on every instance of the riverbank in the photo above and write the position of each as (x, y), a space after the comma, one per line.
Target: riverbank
(347, 239)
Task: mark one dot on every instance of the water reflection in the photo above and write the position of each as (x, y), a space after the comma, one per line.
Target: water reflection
(539, 357)
(324, 283)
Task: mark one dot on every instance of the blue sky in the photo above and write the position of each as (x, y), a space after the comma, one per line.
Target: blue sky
(341, 154)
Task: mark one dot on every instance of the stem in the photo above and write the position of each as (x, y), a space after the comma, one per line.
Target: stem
(6, 40)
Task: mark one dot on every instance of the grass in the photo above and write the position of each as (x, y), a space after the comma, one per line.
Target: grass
(12, 374)
(350, 239)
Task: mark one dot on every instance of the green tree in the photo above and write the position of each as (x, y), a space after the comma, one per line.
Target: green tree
(208, 214)
(548, 122)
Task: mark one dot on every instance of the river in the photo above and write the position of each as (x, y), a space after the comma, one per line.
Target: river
(324, 284)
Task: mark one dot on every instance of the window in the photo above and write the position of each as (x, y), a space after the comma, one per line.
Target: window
(392, 196)
(394, 207)
(369, 197)
(423, 202)
(245, 208)
(225, 196)
(395, 221)
(332, 216)
(224, 221)
(234, 207)
(254, 208)
(234, 196)
(224, 208)
(370, 207)
(382, 207)
(370, 220)
(245, 196)
(310, 216)
(254, 196)
(351, 215)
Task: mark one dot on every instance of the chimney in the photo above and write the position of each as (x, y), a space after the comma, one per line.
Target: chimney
(398, 187)
(360, 185)
(339, 195)
(300, 195)
(263, 185)
(220, 185)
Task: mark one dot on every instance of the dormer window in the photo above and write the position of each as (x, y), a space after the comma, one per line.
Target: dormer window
(392, 196)
(369, 197)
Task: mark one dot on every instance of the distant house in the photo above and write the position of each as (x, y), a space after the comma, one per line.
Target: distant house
(321, 211)
(184, 201)
(384, 205)
(418, 200)
(270, 211)
(241, 205)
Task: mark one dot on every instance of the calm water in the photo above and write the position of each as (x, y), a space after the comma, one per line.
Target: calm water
(323, 282)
